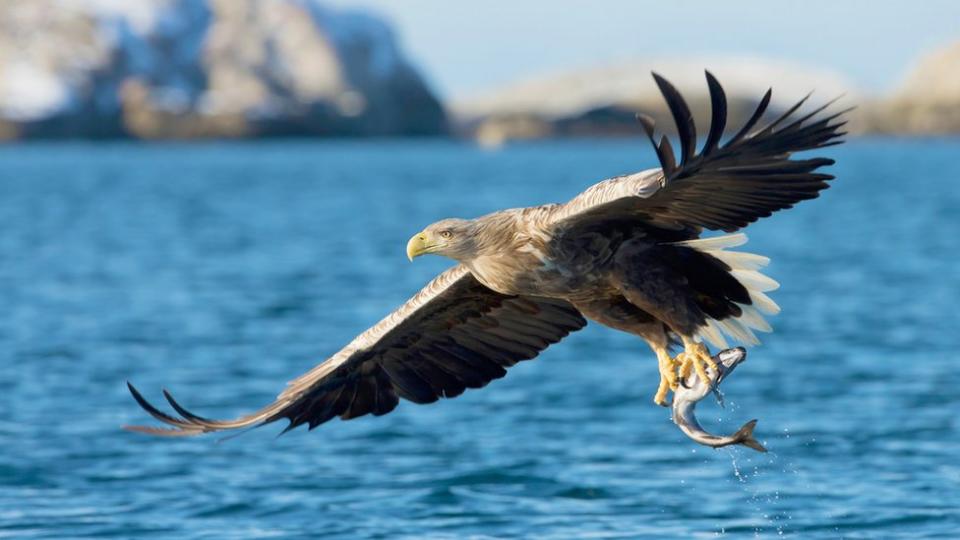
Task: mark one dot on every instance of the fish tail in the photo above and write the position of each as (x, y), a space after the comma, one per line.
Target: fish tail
(744, 436)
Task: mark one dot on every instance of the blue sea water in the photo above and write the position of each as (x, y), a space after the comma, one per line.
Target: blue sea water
(220, 271)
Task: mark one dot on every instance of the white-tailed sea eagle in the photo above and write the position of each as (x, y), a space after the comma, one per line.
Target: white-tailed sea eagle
(626, 253)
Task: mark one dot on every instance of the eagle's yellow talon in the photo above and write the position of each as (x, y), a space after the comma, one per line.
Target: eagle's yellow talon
(668, 377)
(697, 358)
(685, 367)
(661, 396)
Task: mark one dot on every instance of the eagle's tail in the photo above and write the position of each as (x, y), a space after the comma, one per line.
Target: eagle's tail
(744, 267)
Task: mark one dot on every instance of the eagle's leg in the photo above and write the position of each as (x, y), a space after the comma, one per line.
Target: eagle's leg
(618, 312)
(696, 357)
(669, 368)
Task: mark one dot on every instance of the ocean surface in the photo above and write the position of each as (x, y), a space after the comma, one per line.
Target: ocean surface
(222, 270)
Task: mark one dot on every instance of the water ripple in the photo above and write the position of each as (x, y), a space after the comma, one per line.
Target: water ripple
(221, 271)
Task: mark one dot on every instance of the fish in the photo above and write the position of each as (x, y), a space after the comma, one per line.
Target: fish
(692, 389)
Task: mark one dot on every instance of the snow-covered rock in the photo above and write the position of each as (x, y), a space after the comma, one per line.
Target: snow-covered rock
(205, 68)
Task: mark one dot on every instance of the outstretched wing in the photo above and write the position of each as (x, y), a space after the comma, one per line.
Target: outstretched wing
(725, 186)
(454, 334)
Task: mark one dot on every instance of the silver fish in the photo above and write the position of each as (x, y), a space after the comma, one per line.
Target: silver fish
(692, 389)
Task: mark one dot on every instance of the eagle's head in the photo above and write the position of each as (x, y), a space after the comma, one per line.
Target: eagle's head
(453, 238)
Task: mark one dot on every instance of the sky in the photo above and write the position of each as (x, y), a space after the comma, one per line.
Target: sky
(467, 48)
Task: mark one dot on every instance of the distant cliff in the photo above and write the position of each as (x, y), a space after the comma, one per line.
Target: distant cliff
(928, 101)
(205, 68)
(604, 101)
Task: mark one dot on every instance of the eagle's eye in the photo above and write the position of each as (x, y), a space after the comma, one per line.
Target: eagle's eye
(446, 234)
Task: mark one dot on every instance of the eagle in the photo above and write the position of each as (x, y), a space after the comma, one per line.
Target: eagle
(627, 253)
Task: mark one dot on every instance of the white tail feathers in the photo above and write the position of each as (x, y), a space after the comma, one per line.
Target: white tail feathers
(753, 319)
(743, 261)
(738, 331)
(755, 281)
(713, 334)
(715, 243)
(744, 267)
(764, 303)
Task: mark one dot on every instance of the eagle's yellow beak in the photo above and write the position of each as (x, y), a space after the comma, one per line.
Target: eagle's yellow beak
(417, 245)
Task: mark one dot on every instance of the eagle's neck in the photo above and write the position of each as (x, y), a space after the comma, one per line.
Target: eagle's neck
(507, 252)
(495, 234)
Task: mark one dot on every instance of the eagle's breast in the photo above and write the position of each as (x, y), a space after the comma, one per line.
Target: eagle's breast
(537, 262)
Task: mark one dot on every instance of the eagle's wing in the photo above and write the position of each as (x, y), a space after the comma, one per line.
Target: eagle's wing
(725, 186)
(452, 335)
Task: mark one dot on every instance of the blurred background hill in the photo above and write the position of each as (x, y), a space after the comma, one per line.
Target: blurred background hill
(205, 68)
(180, 69)
(604, 101)
(927, 102)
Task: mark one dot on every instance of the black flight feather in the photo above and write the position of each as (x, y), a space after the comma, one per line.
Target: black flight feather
(754, 118)
(718, 109)
(686, 130)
